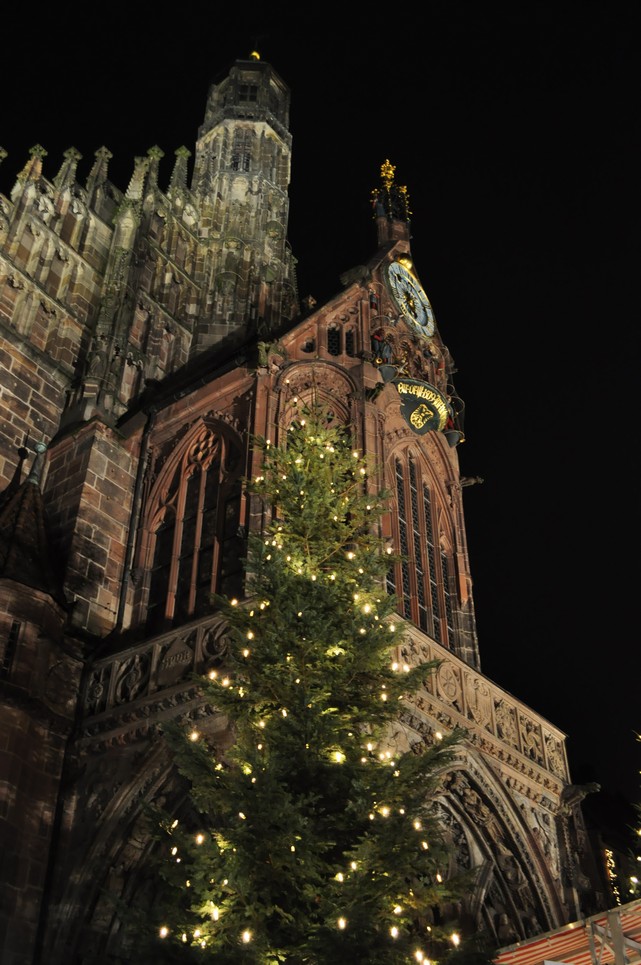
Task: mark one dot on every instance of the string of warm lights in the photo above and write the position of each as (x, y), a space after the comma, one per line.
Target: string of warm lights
(311, 683)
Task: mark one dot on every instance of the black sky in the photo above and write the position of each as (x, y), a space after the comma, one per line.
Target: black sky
(516, 129)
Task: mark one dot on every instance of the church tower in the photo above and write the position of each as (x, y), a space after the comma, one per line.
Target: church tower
(146, 336)
(242, 173)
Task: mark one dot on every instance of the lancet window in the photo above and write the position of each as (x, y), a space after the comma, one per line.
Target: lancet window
(194, 542)
(241, 150)
(350, 342)
(422, 580)
(334, 340)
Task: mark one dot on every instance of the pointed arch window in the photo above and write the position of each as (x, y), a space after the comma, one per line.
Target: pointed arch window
(422, 580)
(241, 150)
(194, 540)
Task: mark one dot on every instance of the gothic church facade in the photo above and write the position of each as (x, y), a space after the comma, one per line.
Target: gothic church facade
(145, 336)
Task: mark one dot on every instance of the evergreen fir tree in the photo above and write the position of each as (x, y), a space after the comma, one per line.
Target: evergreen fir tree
(318, 837)
(634, 884)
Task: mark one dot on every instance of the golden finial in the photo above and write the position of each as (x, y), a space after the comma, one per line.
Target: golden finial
(391, 199)
(254, 55)
(387, 174)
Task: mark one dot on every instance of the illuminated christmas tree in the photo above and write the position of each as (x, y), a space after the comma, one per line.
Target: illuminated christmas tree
(317, 837)
(634, 891)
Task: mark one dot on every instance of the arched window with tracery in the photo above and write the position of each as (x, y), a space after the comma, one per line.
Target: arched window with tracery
(423, 581)
(193, 536)
(241, 153)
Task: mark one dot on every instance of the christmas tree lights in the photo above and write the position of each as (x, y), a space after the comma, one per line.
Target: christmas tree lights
(318, 839)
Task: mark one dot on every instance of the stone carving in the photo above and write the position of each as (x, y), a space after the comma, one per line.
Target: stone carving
(215, 644)
(96, 692)
(554, 753)
(540, 823)
(531, 739)
(449, 684)
(478, 698)
(506, 722)
(461, 858)
(132, 678)
(176, 661)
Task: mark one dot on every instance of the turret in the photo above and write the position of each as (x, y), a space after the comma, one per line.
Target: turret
(242, 174)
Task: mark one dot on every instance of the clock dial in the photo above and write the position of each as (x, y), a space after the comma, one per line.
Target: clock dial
(410, 299)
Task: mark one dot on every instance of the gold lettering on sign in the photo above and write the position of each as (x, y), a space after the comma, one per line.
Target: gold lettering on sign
(425, 392)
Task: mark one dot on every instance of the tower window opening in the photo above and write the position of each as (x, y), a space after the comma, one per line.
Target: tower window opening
(248, 93)
(240, 162)
(241, 150)
(334, 340)
(350, 342)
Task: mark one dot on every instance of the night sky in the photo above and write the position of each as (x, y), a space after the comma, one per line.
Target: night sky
(517, 132)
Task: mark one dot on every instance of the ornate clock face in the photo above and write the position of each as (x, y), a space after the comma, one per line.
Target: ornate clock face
(410, 299)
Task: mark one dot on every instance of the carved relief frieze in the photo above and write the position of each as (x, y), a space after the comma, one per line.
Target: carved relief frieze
(478, 700)
(448, 685)
(531, 739)
(131, 678)
(506, 728)
(175, 661)
(421, 726)
(496, 725)
(554, 755)
(97, 691)
(214, 644)
(128, 693)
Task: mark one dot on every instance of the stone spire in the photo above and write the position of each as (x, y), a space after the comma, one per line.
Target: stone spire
(100, 171)
(66, 176)
(32, 171)
(155, 155)
(178, 181)
(136, 186)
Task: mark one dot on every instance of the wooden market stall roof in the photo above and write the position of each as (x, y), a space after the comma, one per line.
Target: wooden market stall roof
(609, 938)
